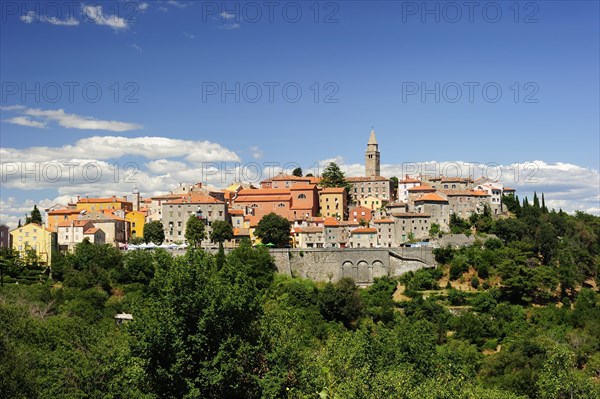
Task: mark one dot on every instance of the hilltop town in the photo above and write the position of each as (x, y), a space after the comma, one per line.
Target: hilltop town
(370, 211)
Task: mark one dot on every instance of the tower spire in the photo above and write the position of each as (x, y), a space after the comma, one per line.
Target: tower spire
(372, 163)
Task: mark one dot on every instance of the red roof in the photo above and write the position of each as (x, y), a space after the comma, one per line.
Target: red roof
(431, 197)
(410, 215)
(364, 230)
(97, 200)
(195, 199)
(333, 190)
(63, 212)
(76, 223)
(236, 211)
(91, 230)
(423, 187)
(379, 221)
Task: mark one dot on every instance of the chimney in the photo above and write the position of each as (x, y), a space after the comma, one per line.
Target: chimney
(78, 198)
(124, 198)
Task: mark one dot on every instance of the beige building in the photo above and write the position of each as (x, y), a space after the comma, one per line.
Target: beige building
(411, 225)
(437, 206)
(464, 203)
(363, 237)
(372, 203)
(386, 232)
(374, 186)
(115, 228)
(72, 232)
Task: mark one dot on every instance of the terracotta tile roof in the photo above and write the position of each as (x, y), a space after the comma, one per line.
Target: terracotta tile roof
(509, 189)
(364, 230)
(76, 223)
(410, 215)
(407, 180)
(241, 232)
(333, 190)
(314, 179)
(195, 199)
(349, 223)
(303, 187)
(63, 212)
(263, 191)
(91, 230)
(235, 211)
(263, 198)
(431, 197)
(465, 193)
(358, 179)
(423, 187)
(102, 200)
(379, 221)
(331, 222)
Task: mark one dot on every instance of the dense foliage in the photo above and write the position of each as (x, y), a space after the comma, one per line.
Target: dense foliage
(230, 327)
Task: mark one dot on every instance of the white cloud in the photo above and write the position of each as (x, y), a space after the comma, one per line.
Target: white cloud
(12, 107)
(114, 147)
(143, 6)
(230, 26)
(189, 35)
(163, 9)
(227, 15)
(176, 3)
(162, 166)
(29, 17)
(256, 152)
(96, 15)
(32, 16)
(138, 48)
(69, 121)
(24, 121)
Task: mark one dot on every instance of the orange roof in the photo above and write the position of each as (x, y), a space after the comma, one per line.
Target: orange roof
(331, 222)
(263, 191)
(102, 200)
(364, 230)
(63, 212)
(509, 189)
(236, 211)
(333, 190)
(91, 230)
(76, 223)
(423, 187)
(237, 232)
(357, 179)
(467, 193)
(409, 180)
(314, 179)
(195, 199)
(263, 198)
(303, 187)
(431, 197)
(378, 221)
(410, 215)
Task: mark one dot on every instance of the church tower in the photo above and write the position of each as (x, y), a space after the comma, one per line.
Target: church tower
(372, 156)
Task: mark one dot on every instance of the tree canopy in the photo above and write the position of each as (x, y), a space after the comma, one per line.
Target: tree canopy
(273, 229)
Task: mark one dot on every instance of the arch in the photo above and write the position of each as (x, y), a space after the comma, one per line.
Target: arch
(347, 267)
(301, 196)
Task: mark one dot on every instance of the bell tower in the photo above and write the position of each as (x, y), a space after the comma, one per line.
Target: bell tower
(372, 167)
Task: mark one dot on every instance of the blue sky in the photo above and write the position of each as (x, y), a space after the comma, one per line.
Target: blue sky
(357, 65)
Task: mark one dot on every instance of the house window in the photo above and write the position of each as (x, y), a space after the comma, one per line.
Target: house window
(301, 196)
(281, 206)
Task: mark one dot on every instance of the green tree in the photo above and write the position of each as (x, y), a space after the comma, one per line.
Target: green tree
(221, 232)
(10, 264)
(334, 177)
(197, 334)
(35, 217)
(341, 302)
(273, 229)
(154, 232)
(195, 231)
(297, 172)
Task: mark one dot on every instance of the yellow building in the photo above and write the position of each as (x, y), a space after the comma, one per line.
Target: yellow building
(333, 202)
(56, 216)
(100, 204)
(36, 237)
(136, 220)
(372, 203)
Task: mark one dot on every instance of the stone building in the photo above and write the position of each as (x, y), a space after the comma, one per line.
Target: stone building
(411, 225)
(435, 205)
(176, 213)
